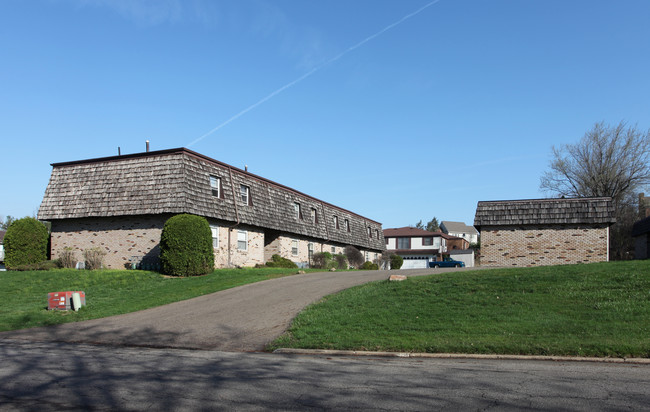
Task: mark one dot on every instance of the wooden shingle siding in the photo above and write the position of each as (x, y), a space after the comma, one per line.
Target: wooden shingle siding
(178, 181)
(544, 231)
(545, 212)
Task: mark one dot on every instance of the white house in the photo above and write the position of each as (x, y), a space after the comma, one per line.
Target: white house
(460, 229)
(416, 246)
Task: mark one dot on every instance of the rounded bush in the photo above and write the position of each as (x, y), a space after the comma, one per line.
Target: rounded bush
(278, 261)
(369, 266)
(396, 261)
(186, 246)
(25, 243)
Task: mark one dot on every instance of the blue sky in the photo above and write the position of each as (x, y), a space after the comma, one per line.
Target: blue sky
(396, 110)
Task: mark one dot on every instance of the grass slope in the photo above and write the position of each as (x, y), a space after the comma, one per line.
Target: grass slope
(578, 310)
(23, 295)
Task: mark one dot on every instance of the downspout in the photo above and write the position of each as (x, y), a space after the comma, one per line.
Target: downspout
(325, 221)
(230, 228)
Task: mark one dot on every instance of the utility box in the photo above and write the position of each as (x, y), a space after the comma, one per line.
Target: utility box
(63, 300)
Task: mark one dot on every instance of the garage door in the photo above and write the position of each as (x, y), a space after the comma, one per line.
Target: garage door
(414, 264)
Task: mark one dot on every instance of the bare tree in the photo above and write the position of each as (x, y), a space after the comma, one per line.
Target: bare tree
(610, 162)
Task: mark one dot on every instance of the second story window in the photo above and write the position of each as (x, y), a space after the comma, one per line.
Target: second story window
(245, 194)
(347, 225)
(336, 222)
(427, 241)
(314, 216)
(215, 186)
(369, 232)
(298, 212)
(403, 242)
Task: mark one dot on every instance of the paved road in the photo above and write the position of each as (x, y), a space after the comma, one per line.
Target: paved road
(245, 318)
(61, 376)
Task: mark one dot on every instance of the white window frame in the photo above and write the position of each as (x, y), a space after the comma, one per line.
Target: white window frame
(294, 247)
(215, 186)
(245, 194)
(336, 222)
(215, 236)
(296, 209)
(314, 216)
(242, 236)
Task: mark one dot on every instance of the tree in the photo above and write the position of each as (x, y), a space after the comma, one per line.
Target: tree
(186, 246)
(4, 225)
(25, 242)
(433, 225)
(355, 257)
(609, 162)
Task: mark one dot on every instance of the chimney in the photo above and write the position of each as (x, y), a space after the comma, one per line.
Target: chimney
(246, 168)
(147, 146)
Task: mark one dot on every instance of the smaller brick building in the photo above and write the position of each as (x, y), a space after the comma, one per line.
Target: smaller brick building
(538, 232)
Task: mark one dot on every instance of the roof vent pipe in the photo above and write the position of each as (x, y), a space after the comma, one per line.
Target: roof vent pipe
(246, 168)
(147, 146)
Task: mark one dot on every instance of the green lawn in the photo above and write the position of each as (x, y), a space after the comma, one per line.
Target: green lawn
(578, 310)
(23, 295)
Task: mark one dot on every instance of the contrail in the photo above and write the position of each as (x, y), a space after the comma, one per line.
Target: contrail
(314, 70)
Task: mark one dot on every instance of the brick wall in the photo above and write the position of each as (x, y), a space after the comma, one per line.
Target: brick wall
(120, 237)
(543, 245)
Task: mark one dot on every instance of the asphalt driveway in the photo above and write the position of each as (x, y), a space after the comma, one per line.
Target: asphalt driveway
(245, 318)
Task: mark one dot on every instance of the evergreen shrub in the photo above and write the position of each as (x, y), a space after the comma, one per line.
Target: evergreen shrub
(278, 261)
(25, 243)
(396, 261)
(186, 246)
(369, 266)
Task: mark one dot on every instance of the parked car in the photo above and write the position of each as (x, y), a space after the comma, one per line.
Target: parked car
(447, 263)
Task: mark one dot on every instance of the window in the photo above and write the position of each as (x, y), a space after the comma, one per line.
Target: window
(427, 241)
(376, 233)
(242, 240)
(310, 250)
(215, 236)
(245, 194)
(347, 225)
(336, 222)
(369, 232)
(314, 216)
(215, 186)
(386, 239)
(296, 208)
(334, 249)
(403, 242)
(294, 247)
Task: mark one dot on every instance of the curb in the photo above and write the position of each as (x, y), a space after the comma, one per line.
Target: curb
(328, 352)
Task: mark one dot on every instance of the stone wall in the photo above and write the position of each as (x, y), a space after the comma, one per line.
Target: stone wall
(541, 245)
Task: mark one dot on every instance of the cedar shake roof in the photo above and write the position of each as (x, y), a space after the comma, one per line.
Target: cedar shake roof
(458, 227)
(594, 210)
(414, 232)
(178, 181)
(641, 227)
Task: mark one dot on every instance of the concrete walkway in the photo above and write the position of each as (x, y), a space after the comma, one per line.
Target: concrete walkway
(245, 318)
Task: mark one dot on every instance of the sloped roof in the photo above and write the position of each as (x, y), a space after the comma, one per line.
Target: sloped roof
(458, 227)
(641, 227)
(414, 232)
(594, 210)
(178, 181)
